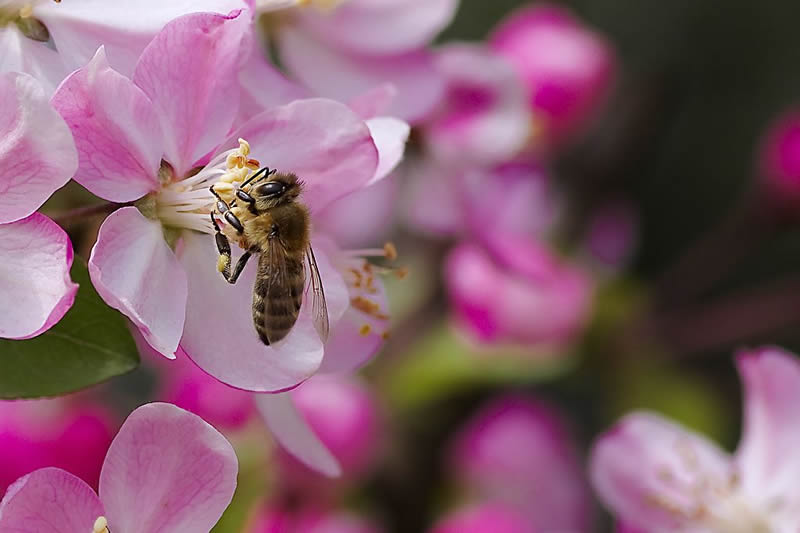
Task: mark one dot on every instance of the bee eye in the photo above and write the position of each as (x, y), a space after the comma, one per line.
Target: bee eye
(271, 188)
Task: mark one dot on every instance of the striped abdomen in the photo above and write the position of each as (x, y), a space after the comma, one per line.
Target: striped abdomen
(277, 295)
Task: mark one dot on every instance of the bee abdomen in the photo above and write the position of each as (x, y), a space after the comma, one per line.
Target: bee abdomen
(276, 306)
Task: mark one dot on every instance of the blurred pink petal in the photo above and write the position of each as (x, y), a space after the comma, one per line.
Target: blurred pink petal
(327, 145)
(567, 67)
(380, 27)
(219, 335)
(294, 433)
(344, 76)
(310, 519)
(196, 108)
(518, 451)
(343, 414)
(116, 131)
(766, 455)
(374, 102)
(484, 116)
(390, 136)
(124, 28)
(167, 470)
(37, 155)
(780, 160)
(612, 234)
(135, 271)
(36, 289)
(263, 86)
(50, 500)
(430, 204)
(483, 518)
(21, 54)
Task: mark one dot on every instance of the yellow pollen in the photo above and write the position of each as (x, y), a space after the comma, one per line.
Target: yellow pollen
(365, 330)
(253, 164)
(100, 525)
(244, 147)
(369, 307)
(390, 250)
(401, 273)
(26, 11)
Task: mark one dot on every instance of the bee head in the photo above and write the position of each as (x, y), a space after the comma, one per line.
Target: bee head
(278, 189)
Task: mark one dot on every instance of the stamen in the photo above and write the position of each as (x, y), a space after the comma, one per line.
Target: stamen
(100, 525)
(365, 330)
(368, 307)
(26, 11)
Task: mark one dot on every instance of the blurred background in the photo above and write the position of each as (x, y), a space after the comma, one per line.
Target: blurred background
(658, 234)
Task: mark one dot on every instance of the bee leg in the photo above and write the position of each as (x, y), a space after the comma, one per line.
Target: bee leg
(237, 270)
(249, 200)
(225, 210)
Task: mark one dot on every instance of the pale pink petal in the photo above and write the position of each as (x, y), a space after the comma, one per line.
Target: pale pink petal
(292, 432)
(37, 155)
(51, 500)
(380, 26)
(767, 454)
(263, 86)
(322, 141)
(116, 131)
(390, 136)
(189, 71)
(135, 271)
(342, 76)
(374, 102)
(167, 470)
(219, 334)
(430, 204)
(647, 470)
(35, 287)
(124, 28)
(21, 54)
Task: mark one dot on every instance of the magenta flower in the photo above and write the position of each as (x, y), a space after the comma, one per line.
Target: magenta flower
(310, 520)
(71, 435)
(343, 416)
(340, 49)
(568, 68)
(517, 292)
(483, 518)
(658, 476)
(150, 140)
(518, 452)
(484, 117)
(780, 160)
(77, 28)
(166, 470)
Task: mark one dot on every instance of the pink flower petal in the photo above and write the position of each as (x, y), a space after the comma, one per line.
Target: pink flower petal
(219, 335)
(342, 76)
(135, 271)
(263, 86)
(380, 27)
(52, 500)
(21, 54)
(646, 470)
(771, 436)
(374, 102)
(292, 431)
(116, 131)
(167, 470)
(322, 141)
(124, 28)
(37, 155)
(390, 136)
(189, 71)
(36, 289)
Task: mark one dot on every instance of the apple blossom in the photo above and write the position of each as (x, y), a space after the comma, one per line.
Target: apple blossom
(656, 476)
(273, 519)
(166, 470)
(483, 518)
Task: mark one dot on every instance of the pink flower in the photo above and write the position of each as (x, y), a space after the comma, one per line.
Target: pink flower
(166, 470)
(343, 416)
(567, 67)
(39, 433)
(516, 292)
(658, 476)
(484, 117)
(77, 28)
(144, 139)
(518, 452)
(611, 235)
(342, 49)
(483, 518)
(780, 160)
(310, 520)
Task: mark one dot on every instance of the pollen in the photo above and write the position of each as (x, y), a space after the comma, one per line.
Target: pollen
(390, 250)
(244, 147)
(100, 525)
(369, 307)
(26, 11)
(365, 330)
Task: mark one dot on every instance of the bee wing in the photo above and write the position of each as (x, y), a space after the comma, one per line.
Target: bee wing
(319, 307)
(278, 293)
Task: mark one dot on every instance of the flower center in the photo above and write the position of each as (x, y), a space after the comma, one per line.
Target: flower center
(100, 525)
(276, 5)
(21, 14)
(704, 499)
(187, 203)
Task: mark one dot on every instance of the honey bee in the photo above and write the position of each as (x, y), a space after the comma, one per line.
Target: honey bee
(273, 223)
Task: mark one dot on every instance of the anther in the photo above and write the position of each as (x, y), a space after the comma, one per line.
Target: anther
(244, 147)
(100, 525)
(365, 330)
(390, 250)
(369, 307)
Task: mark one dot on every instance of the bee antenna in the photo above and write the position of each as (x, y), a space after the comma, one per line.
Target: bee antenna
(263, 173)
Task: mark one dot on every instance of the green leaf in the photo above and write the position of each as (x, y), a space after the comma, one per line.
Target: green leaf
(92, 343)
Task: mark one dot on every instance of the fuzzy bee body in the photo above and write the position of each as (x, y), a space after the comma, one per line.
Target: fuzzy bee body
(268, 219)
